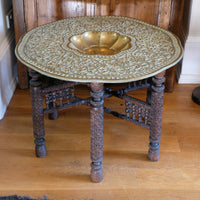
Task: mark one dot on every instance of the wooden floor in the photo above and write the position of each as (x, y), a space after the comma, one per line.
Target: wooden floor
(128, 174)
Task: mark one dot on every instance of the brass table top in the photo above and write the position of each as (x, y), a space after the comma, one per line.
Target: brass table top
(99, 49)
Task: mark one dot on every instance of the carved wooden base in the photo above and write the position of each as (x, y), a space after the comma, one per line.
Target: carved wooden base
(147, 114)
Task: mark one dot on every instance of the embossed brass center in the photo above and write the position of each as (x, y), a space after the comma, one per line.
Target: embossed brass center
(99, 43)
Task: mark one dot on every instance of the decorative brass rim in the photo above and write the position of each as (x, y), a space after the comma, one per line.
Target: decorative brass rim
(50, 50)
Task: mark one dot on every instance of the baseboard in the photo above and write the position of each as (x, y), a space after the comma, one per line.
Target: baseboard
(189, 79)
(194, 40)
(7, 97)
(8, 74)
(190, 73)
(2, 110)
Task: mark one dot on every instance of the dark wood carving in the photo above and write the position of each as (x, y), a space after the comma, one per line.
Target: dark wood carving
(157, 93)
(19, 24)
(176, 16)
(60, 95)
(96, 113)
(37, 114)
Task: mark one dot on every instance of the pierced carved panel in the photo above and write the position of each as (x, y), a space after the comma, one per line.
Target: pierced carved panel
(57, 98)
(138, 112)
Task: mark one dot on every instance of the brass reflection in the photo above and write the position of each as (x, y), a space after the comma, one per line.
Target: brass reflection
(99, 43)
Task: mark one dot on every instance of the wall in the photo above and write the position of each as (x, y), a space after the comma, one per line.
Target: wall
(7, 59)
(191, 62)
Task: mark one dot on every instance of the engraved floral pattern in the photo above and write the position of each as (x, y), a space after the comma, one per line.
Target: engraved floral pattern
(153, 50)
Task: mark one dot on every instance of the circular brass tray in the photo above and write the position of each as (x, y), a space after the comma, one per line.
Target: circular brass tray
(99, 49)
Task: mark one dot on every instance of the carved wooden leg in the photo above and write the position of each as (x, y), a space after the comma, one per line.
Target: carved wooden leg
(54, 115)
(157, 93)
(148, 99)
(97, 111)
(37, 114)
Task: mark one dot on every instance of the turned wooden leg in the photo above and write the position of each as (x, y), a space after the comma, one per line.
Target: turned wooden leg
(54, 115)
(157, 93)
(97, 111)
(148, 99)
(37, 114)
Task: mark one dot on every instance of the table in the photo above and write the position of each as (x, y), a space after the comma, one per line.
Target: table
(93, 51)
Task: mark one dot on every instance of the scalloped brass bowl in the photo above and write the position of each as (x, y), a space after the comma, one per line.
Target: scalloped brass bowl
(99, 43)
